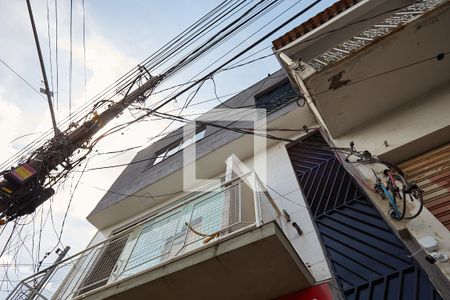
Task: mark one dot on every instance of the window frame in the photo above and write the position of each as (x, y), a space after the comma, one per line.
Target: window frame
(163, 153)
(271, 89)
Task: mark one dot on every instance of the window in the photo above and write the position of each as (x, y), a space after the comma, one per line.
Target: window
(179, 145)
(103, 266)
(276, 97)
(167, 235)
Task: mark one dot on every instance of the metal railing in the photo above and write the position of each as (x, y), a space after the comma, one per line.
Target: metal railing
(194, 222)
(397, 19)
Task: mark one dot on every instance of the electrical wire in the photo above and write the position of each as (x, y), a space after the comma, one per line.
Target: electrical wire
(21, 78)
(328, 32)
(84, 48)
(241, 53)
(438, 57)
(69, 205)
(8, 240)
(70, 57)
(56, 54)
(50, 46)
(383, 73)
(117, 83)
(200, 82)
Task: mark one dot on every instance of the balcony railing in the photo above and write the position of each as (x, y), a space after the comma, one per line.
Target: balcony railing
(192, 223)
(376, 31)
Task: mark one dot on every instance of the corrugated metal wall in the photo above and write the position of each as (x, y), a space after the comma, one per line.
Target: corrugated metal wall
(368, 260)
(431, 171)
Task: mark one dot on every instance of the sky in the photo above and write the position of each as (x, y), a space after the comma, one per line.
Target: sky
(119, 35)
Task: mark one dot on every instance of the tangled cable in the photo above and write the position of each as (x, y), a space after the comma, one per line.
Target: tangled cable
(208, 237)
(392, 191)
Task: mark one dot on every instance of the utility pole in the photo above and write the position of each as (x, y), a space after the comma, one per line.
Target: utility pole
(44, 74)
(24, 188)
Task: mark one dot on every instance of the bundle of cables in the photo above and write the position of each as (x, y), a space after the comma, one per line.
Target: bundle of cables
(393, 192)
(396, 186)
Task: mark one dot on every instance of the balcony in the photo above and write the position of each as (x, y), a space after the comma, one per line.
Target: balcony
(223, 244)
(381, 59)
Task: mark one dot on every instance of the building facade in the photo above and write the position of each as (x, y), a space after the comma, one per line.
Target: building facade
(292, 212)
(375, 75)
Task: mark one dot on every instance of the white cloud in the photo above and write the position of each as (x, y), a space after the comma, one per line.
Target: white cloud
(10, 122)
(6, 259)
(105, 63)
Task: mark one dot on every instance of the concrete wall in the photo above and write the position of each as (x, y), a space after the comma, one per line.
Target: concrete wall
(419, 124)
(288, 196)
(404, 127)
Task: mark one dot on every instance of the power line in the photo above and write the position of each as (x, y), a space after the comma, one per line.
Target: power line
(70, 202)
(68, 120)
(84, 48)
(118, 81)
(201, 80)
(21, 78)
(49, 45)
(182, 119)
(241, 53)
(438, 57)
(189, 59)
(266, 6)
(173, 134)
(228, 52)
(9, 239)
(56, 54)
(70, 57)
(41, 139)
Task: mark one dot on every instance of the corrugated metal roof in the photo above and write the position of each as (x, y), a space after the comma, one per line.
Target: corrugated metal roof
(314, 22)
(431, 172)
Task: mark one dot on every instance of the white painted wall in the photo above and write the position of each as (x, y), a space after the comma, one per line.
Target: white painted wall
(288, 196)
(404, 125)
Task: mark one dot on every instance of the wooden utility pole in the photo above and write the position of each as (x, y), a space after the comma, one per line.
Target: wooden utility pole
(44, 74)
(23, 189)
